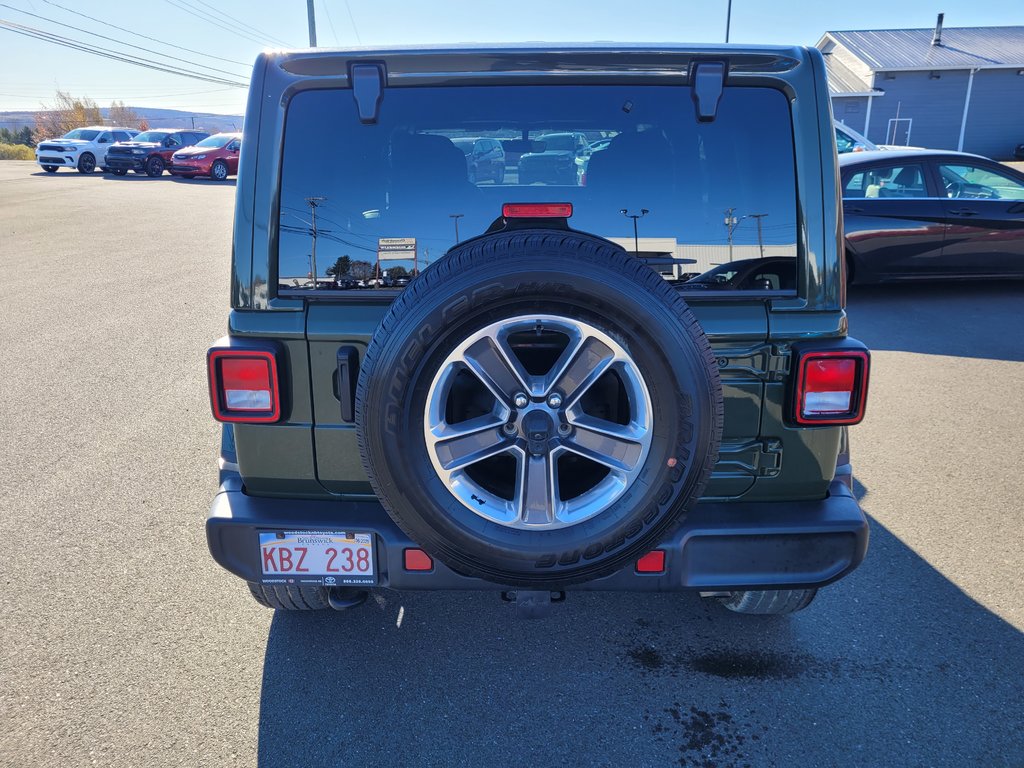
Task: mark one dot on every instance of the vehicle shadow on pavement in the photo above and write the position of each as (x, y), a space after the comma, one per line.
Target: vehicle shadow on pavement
(964, 319)
(894, 665)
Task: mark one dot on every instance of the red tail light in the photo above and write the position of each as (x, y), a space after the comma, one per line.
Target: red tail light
(536, 210)
(831, 387)
(244, 385)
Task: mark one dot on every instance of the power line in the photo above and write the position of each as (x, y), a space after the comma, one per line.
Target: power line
(241, 23)
(119, 42)
(147, 37)
(123, 96)
(211, 19)
(138, 61)
(352, 19)
(330, 21)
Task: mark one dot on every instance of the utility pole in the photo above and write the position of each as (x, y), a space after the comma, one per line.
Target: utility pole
(311, 14)
(728, 20)
(760, 239)
(456, 216)
(636, 231)
(313, 202)
(193, 122)
(730, 227)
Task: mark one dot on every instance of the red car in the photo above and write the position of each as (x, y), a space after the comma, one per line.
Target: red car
(216, 157)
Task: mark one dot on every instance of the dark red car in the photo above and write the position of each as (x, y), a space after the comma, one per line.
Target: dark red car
(216, 157)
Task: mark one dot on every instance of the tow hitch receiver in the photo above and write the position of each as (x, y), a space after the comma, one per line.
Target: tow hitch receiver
(532, 604)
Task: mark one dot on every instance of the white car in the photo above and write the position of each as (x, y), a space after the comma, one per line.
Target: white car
(848, 140)
(84, 149)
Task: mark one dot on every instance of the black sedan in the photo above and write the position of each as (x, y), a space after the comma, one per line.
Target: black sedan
(914, 214)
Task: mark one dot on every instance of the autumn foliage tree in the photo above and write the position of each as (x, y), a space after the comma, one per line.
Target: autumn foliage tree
(121, 116)
(65, 114)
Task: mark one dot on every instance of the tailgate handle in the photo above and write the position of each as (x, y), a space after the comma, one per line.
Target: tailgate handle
(345, 382)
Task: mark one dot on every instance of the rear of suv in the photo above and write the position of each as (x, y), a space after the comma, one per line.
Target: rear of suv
(83, 149)
(150, 152)
(549, 404)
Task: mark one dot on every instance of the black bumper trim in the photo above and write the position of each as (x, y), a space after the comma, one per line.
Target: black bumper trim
(720, 547)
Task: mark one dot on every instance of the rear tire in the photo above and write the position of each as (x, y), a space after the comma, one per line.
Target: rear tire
(772, 602)
(283, 598)
(588, 288)
(50, 168)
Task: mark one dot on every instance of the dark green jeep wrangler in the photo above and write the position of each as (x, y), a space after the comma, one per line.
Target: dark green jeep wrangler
(634, 375)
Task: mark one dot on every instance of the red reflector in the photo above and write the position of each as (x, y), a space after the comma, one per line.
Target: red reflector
(536, 210)
(831, 387)
(243, 385)
(652, 562)
(417, 560)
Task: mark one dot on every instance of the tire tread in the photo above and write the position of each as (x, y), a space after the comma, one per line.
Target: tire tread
(289, 598)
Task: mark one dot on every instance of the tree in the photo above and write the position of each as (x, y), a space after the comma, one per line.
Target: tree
(341, 267)
(361, 270)
(398, 271)
(143, 124)
(23, 137)
(121, 116)
(65, 114)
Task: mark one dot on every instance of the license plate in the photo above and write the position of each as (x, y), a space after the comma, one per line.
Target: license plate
(327, 558)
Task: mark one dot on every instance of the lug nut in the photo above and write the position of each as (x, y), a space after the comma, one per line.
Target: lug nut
(564, 429)
(555, 401)
(509, 428)
(521, 401)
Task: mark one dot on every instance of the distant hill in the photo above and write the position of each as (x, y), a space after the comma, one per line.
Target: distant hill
(157, 118)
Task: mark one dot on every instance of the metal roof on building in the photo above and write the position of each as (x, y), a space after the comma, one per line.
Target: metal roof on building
(912, 49)
(842, 81)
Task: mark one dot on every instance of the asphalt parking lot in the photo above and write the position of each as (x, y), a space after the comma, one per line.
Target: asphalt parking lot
(122, 644)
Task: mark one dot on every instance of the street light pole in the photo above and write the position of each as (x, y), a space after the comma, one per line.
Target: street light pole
(636, 231)
(456, 217)
(311, 14)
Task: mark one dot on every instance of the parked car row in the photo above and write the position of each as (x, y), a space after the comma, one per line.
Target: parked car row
(181, 152)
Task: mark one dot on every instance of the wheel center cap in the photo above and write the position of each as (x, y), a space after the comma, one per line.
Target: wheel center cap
(538, 428)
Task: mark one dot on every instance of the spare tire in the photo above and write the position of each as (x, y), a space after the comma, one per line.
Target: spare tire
(538, 408)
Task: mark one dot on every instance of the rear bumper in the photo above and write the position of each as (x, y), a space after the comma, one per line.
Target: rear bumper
(721, 546)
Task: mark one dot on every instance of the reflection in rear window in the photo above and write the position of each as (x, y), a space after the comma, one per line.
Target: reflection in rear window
(392, 197)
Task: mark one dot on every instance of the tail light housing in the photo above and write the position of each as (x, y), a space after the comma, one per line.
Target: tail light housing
(244, 385)
(831, 385)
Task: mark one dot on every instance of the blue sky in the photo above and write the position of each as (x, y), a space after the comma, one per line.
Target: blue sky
(33, 69)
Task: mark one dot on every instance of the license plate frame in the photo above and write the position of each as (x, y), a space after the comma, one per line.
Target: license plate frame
(323, 558)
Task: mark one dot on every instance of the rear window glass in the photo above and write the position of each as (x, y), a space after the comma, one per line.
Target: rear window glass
(390, 198)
